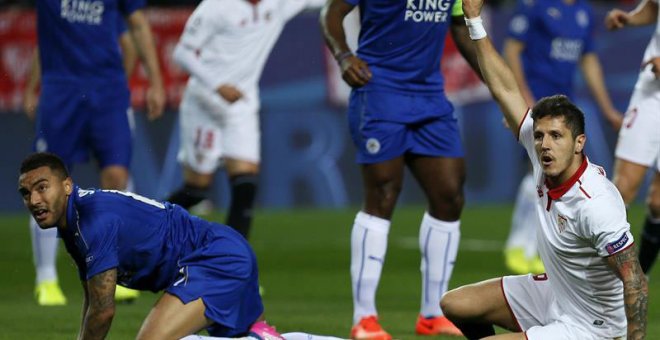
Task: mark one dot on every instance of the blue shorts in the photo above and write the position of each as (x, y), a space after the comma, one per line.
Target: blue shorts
(74, 120)
(224, 274)
(386, 125)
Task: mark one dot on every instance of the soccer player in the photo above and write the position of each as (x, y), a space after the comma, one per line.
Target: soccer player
(400, 117)
(208, 271)
(638, 147)
(224, 47)
(547, 41)
(594, 287)
(45, 242)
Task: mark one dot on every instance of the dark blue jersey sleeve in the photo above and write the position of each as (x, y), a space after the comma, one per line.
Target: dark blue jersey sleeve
(100, 235)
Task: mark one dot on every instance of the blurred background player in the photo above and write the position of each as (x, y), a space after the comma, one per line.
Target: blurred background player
(399, 117)
(224, 47)
(84, 102)
(638, 147)
(547, 41)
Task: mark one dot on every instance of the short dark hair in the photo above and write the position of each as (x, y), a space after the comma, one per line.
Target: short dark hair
(39, 159)
(560, 106)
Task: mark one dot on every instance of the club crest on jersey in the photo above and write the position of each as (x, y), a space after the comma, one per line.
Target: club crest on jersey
(617, 245)
(539, 191)
(373, 146)
(41, 145)
(582, 18)
(562, 222)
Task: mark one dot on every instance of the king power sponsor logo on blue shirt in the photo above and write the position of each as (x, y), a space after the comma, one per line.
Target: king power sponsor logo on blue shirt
(427, 10)
(81, 11)
(617, 245)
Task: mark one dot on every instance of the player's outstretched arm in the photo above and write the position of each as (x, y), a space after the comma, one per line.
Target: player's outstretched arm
(497, 75)
(99, 305)
(635, 290)
(144, 41)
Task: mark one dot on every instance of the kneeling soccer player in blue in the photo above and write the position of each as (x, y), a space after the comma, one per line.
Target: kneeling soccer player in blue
(208, 271)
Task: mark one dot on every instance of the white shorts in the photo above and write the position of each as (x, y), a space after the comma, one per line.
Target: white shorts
(639, 137)
(212, 129)
(534, 307)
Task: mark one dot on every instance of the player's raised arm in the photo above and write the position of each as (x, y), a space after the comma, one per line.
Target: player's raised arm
(496, 74)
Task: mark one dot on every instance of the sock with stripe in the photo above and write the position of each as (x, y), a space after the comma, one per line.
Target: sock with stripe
(368, 249)
(438, 243)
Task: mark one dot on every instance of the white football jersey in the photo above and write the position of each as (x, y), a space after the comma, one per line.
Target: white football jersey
(581, 223)
(233, 38)
(653, 49)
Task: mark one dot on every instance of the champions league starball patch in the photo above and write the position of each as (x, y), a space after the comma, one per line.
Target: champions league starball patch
(617, 245)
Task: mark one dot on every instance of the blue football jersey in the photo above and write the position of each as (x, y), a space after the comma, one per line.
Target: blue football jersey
(78, 38)
(140, 237)
(402, 42)
(556, 36)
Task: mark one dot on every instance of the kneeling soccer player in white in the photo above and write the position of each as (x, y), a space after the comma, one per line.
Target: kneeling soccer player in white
(594, 287)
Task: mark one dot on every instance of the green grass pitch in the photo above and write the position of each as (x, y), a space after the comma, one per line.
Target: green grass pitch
(304, 260)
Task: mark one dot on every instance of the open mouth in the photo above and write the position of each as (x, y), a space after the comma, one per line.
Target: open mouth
(40, 214)
(546, 160)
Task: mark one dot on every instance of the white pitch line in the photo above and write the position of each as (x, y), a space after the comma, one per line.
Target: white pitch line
(474, 245)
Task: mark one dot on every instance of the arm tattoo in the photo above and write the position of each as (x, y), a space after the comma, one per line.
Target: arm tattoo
(635, 290)
(101, 305)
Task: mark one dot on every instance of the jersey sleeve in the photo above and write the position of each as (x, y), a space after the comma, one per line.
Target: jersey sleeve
(526, 139)
(523, 17)
(99, 236)
(457, 9)
(604, 218)
(352, 2)
(127, 7)
(203, 23)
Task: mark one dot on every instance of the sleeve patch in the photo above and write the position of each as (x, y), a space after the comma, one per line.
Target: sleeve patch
(617, 245)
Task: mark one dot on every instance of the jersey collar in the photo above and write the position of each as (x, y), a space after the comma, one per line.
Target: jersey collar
(559, 191)
(71, 213)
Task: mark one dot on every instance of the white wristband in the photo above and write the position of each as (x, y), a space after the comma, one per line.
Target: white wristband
(476, 28)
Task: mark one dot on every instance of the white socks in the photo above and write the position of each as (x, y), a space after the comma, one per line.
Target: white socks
(525, 220)
(368, 249)
(438, 243)
(44, 251)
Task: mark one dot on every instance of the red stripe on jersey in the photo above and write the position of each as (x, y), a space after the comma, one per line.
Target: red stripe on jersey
(582, 189)
(559, 191)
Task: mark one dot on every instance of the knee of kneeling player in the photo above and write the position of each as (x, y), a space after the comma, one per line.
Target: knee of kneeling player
(452, 305)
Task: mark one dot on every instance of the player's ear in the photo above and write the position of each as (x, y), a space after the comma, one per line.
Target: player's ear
(579, 143)
(68, 186)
